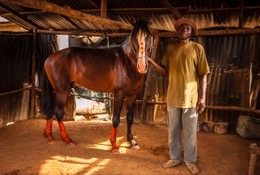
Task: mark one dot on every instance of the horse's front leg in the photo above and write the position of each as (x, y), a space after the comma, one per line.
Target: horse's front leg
(118, 103)
(130, 119)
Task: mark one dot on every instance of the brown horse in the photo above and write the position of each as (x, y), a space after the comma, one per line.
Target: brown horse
(120, 70)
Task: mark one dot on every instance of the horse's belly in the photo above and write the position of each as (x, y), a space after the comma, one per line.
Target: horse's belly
(97, 85)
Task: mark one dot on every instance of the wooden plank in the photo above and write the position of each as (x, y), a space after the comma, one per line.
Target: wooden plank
(67, 11)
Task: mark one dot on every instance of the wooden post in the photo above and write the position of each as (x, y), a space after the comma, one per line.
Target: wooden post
(33, 93)
(103, 8)
(241, 7)
(154, 49)
(252, 161)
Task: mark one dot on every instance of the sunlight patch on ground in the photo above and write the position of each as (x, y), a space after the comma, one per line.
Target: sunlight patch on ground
(99, 166)
(123, 145)
(80, 165)
(9, 123)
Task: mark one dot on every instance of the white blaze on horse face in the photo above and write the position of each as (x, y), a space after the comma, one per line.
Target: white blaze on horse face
(141, 54)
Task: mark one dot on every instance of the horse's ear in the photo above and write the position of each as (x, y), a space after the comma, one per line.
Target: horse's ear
(149, 20)
(132, 21)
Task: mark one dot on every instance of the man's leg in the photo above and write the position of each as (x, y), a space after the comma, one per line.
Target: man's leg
(174, 133)
(189, 122)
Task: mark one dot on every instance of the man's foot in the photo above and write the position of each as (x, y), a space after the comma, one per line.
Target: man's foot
(170, 163)
(193, 168)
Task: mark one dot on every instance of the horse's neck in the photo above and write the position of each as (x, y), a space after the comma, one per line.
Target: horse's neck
(128, 48)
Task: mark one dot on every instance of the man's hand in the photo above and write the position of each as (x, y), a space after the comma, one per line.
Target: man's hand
(201, 105)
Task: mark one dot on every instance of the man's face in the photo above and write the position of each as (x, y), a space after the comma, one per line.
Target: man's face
(184, 31)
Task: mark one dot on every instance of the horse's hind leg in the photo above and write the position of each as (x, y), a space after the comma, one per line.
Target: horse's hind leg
(130, 119)
(48, 130)
(60, 100)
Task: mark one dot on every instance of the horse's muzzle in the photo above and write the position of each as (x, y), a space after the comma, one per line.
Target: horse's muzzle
(142, 65)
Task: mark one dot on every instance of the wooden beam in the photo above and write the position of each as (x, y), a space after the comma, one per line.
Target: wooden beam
(220, 108)
(66, 11)
(175, 12)
(159, 10)
(233, 108)
(161, 34)
(89, 33)
(217, 32)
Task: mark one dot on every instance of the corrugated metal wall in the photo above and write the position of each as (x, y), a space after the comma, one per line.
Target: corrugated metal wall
(230, 58)
(15, 72)
(15, 58)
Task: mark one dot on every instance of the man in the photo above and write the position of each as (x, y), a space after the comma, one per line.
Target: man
(186, 66)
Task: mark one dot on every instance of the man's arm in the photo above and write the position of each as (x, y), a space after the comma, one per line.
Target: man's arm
(161, 69)
(202, 93)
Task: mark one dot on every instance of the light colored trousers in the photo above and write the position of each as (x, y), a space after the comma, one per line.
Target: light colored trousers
(182, 119)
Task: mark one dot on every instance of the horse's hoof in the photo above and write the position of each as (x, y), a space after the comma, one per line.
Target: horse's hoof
(134, 145)
(71, 144)
(51, 142)
(117, 151)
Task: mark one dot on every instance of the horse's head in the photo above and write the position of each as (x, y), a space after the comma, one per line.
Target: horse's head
(141, 39)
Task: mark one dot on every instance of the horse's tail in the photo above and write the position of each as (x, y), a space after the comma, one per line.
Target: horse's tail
(46, 97)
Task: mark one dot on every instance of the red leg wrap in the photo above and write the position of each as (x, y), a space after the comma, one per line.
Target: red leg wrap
(63, 133)
(113, 139)
(48, 130)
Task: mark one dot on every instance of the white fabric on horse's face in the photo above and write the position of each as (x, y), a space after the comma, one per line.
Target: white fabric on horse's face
(141, 65)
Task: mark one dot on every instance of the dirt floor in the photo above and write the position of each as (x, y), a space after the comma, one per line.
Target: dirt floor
(24, 151)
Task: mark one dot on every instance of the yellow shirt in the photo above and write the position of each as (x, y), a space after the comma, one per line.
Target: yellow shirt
(184, 63)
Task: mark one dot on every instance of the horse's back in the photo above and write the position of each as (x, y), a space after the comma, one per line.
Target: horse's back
(94, 69)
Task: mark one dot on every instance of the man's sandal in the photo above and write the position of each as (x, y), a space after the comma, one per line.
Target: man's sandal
(171, 163)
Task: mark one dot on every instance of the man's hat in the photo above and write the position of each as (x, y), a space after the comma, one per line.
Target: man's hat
(183, 20)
